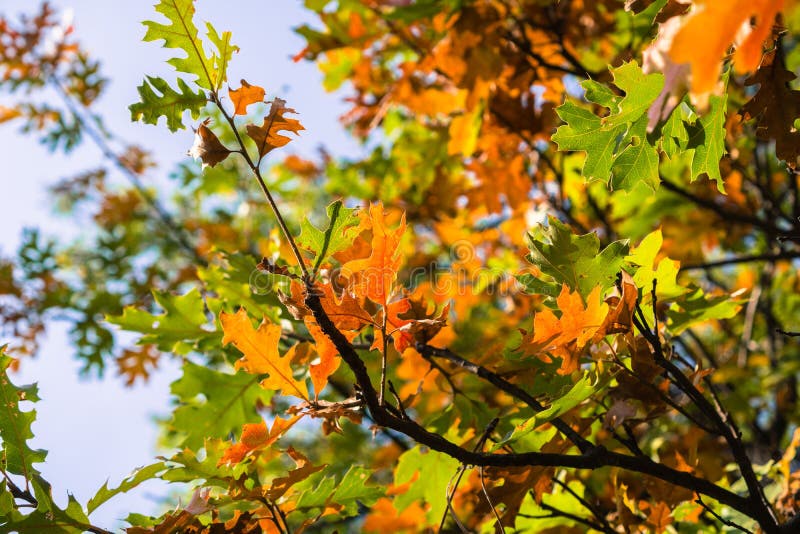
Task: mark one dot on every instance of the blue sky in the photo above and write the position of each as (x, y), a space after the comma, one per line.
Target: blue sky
(98, 429)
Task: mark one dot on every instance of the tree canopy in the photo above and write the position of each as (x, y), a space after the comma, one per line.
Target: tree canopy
(557, 290)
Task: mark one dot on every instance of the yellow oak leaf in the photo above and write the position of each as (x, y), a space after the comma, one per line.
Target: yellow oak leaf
(373, 277)
(244, 96)
(260, 349)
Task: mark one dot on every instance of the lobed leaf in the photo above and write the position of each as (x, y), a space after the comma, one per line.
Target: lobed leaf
(260, 349)
(340, 233)
(15, 425)
(161, 100)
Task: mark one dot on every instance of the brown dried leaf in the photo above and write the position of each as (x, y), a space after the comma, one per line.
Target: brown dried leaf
(267, 136)
(207, 146)
(775, 106)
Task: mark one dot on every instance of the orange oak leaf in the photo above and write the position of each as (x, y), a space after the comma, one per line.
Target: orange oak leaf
(712, 27)
(567, 335)
(384, 517)
(409, 322)
(373, 277)
(244, 96)
(260, 349)
(345, 311)
(393, 324)
(267, 136)
(256, 436)
(137, 363)
(328, 355)
(659, 517)
(207, 146)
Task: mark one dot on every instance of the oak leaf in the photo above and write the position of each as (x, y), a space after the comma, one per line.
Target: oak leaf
(775, 106)
(331, 412)
(244, 96)
(260, 349)
(137, 363)
(267, 136)
(328, 355)
(256, 436)
(709, 31)
(373, 277)
(207, 146)
(304, 469)
(567, 335)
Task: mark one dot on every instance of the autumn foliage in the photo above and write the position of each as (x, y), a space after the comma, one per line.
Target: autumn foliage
(557, 291)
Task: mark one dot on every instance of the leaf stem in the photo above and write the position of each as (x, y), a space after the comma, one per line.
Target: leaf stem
(255, 168)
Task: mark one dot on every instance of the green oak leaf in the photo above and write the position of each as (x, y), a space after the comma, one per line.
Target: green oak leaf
(584, 388)
(645, 269)
(47, 517)
(319, 491)
(585, 131)
(188, 465)
(140, 475)
(15, 425)
(181, 33)
(161, 100)
(435, 471)
(225, 51)
(214, 404)
(638, 162)
(599, 94)
(339, 234)
(674, 135)
(640, 91)
(575, 259)
(616, 143)
(697, 307)
(180, 327)
(707, 138)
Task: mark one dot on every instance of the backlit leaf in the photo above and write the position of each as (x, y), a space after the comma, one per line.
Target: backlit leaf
(374, 277)
(339, 234)
(15, 425)
(260, 349)
(166, 102)
(575, 260)
(245, 96)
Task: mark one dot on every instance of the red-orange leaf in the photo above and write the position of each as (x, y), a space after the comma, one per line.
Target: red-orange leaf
(260, 349)
(244, 96)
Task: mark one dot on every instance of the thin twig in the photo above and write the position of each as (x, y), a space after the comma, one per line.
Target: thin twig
(721, 519)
